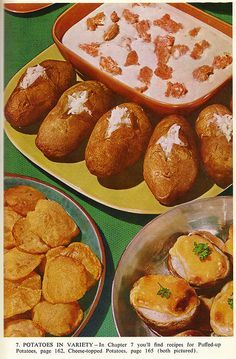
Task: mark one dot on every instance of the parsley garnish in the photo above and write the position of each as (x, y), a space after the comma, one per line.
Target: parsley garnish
(164, 292)
(202, 250)
(230, 302)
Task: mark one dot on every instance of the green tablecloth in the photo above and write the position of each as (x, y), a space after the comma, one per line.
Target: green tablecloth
(25, 37)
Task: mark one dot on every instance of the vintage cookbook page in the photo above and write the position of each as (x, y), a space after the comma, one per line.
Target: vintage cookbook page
(117, 179)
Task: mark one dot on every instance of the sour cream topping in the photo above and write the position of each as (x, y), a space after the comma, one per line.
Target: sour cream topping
(171, 138)
(225, 125)
(76, 103)
(119, 116)
(31, 76)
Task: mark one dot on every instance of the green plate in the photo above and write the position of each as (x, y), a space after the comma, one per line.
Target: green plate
(89, 235)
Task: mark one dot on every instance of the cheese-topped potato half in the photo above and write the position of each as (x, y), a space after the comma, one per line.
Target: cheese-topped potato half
(214, 127)
(198, 261)
(118, 140)
(165, 303)
(221, 315)
(38, 91)
(171, 161)
(73, 118)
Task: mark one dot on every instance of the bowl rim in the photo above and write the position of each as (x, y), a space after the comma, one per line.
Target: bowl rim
(135, 238)
(185, 106)
(97, 233)
(14, 7)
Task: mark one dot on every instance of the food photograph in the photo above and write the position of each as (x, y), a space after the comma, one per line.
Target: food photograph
(118, 170)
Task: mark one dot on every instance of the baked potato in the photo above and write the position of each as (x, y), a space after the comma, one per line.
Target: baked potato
(118, 140)
(197, 260)
(38, 91)
(214, 127)
(165, 303)
(171, 160)
(73, 118)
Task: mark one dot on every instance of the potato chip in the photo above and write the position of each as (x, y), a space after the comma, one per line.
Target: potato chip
(64, 281)
(10, 218)
(22, 295)
(18, 264)
(54, 252)
(52, 223)
(58, 319)
(22, 328)
(26, 239)
(22, 199)
(50, 254)
(83, 254)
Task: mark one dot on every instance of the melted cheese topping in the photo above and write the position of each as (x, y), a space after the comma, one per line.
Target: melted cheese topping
(189, 266)
(31, 76)
(171, 138)
(225, 125)
(182, 299)
(221, 315)
(119, 116)
(76, 103)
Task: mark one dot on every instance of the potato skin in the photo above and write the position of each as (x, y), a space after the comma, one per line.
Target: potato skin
(28, 106)
(170, 179)
(216, 151)
(123, 148)
(61, 133)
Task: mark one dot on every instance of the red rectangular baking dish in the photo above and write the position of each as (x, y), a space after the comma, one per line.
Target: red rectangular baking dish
(78, 11)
